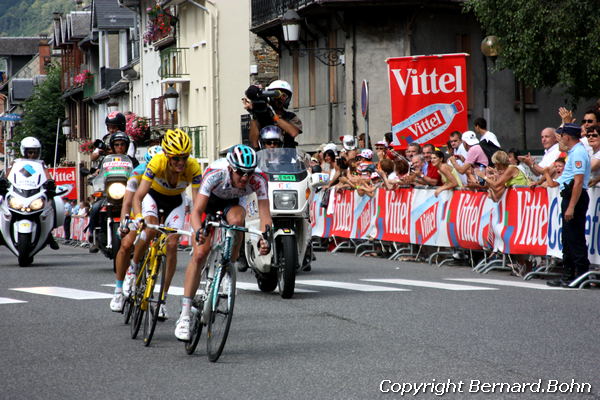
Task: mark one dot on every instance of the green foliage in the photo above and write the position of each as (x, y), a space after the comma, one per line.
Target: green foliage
(29, 17)
(41, 113)
(546, 43)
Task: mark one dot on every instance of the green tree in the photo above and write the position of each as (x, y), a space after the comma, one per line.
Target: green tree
(546, 43)
(41, 113)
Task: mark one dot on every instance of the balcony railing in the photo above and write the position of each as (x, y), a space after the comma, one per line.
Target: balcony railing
(173, 62)
(264, 11)
(160, 117)
(198, 135)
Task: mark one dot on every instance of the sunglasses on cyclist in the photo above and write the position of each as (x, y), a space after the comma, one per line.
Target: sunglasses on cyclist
(241, 173)
(179, 158)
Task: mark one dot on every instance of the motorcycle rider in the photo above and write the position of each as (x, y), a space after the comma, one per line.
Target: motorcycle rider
(118, 144)
(115, 122)
(31, 150)
(125, 280)
(162, 187)
(274, 114)
(223, 183)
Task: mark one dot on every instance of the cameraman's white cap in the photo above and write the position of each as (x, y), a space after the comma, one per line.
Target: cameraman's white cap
(331, 146)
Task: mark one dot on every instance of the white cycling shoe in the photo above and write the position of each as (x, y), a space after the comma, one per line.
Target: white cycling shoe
(117, 302)
(182, 330)
(128, 283)
(162, 313)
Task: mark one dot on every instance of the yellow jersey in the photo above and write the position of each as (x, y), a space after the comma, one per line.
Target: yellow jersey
(156, 172)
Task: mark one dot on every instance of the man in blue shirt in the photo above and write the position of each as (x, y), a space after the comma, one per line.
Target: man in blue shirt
(573, 185)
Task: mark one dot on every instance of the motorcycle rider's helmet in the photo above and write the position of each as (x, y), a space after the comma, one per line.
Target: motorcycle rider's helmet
(30, 143)
(284, 87)
(117, 119)
(242, 157)
(176, 143)
(152, 151)
(119, 136)
(271, 134)
(348, 142)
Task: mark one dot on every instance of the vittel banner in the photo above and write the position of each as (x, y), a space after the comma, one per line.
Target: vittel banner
(428, 98)
(66, 178)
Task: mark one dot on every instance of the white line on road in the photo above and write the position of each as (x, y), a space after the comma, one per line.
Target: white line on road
(178, 291)
(501, 282)
(66, 293)
(6, 300)
(429, 284)
(351, 286)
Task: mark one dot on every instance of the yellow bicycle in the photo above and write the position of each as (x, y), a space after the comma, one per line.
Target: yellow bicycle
(143, 306)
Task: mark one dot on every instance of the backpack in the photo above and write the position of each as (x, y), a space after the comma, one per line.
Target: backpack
(489, 149)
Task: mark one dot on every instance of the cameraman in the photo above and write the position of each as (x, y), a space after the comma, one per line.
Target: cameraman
(115, 122)
(270, 108)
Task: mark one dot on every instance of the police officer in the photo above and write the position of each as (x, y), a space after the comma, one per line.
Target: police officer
(573, 185)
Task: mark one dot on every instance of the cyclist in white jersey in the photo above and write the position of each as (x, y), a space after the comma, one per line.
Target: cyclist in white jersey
(223, 183)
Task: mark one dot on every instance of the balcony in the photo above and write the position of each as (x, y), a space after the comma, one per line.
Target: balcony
(160, 118)
(173, 63)
(198, 135)
(264, 11)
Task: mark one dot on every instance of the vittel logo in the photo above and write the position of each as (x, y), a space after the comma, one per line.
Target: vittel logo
(342, 214)
(467, 217)
(365, 218)
(417, 82)
(64, 176)
(427, 223)
(397, 214)
(532, 217)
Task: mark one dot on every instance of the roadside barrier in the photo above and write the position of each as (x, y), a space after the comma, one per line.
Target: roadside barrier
(524, 221)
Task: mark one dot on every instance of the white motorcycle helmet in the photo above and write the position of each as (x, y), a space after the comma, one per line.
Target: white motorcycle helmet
(31, 143)
(271, 133)
(283, 86)
(348, 142)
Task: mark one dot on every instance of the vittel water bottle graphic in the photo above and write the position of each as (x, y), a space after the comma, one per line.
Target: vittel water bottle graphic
(427, 123)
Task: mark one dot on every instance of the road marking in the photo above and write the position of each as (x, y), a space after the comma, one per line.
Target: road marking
(178, 291)
(501, 282)
(429, 284)
(66, 293)
(351, 286)
(6, 300)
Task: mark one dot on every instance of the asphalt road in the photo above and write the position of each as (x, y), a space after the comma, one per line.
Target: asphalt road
(331, 341)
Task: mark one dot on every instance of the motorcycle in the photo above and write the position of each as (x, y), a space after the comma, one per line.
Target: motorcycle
(109, 185)
(28, 214)
(290, 193)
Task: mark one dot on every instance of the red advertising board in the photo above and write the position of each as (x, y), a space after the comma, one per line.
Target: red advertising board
(526, 228)
(464, 218)
(394, 213)
(428, 98)
(343, 213)
(65, 176)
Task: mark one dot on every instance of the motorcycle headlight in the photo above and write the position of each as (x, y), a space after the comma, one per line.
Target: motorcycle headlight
(15, 203)
(37, 204)
(116, 190)
(285, 199)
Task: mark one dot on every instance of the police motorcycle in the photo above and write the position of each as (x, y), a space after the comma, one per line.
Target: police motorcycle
(109, 185)
(290, 194)
(29, 210)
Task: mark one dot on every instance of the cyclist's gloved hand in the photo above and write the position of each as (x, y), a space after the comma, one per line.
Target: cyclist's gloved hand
(264, 247)
(124, 227)
(139, 221)
(201, 236)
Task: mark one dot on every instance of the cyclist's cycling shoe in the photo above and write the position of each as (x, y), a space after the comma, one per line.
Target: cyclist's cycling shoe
(128, 282)
(162, 313)
(117, 302)
(182, 330)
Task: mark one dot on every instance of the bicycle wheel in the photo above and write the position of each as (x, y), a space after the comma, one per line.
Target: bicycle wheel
(196, 322)
(138, 295)
(154, 300)
(220, 314)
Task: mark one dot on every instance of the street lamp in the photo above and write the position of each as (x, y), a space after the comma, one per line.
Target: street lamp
(66, 127)
(170, 97)
(490, 47)
(290, 23)
(112, 105)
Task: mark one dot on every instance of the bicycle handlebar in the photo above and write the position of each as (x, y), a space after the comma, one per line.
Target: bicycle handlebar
(168, 230)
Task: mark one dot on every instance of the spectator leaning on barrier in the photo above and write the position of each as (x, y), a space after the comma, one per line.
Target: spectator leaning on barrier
(573, 184)
(475, 159)
(504, 175)
(593, 137)
(551, 152)
(448, 174)
(459, 152)
(551, 174)
(428, 169)
(412, 150)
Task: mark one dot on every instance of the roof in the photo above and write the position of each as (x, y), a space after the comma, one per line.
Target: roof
(80, 24)
(22, 89)
(107, 15)
(19, 46)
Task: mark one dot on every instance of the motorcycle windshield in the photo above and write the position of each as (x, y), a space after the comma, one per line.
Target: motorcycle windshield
(27, 174)
(115, 165)
(282, 161)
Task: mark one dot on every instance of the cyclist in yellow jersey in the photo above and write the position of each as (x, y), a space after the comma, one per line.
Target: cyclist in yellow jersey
(162, 189)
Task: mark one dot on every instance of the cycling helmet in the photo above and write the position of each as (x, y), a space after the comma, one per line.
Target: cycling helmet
(116, 118)
(118, 136)
(271, 132)
(283, 86)
(176, 143)
(30, 143)
(242, 157)
(152, 151)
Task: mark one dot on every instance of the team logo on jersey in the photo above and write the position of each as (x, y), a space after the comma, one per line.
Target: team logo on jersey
(577, 164)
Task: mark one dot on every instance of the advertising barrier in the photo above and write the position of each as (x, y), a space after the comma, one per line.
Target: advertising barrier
(524, 221)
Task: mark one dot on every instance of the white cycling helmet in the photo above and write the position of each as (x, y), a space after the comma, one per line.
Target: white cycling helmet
(284, 86)
(30, 143)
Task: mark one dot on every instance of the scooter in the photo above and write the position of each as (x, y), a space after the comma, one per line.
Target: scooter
(290, 194)
(110, 185)
(27, 214)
